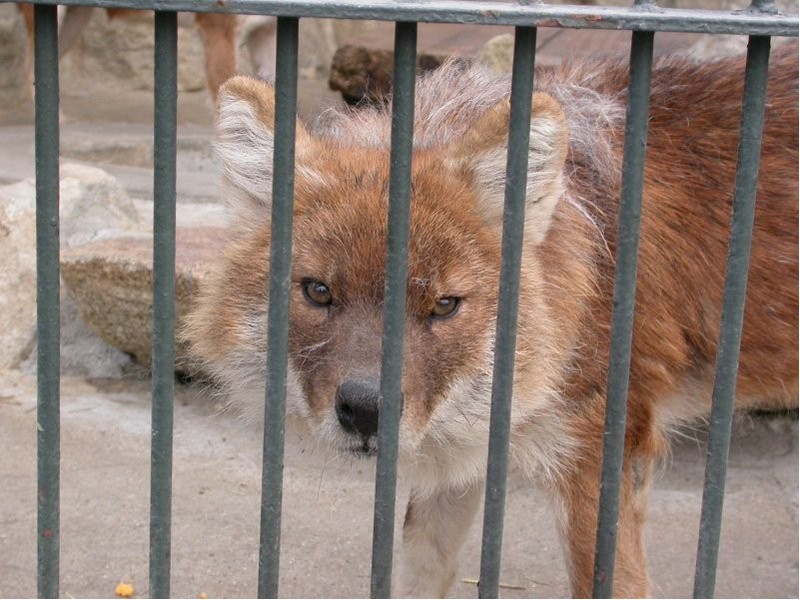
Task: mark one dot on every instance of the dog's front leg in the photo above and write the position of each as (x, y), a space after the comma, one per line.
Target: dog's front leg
(434, 530)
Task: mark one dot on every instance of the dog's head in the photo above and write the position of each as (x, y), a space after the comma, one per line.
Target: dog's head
(337, 287)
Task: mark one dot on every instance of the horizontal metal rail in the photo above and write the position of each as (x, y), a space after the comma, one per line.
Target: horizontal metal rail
(752, 21)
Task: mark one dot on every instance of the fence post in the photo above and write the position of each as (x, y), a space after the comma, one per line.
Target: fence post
(630, 213)
(405, 61)
(48, 307)
(507, 309)
(164, 172)
(278, 312)
(744, 199)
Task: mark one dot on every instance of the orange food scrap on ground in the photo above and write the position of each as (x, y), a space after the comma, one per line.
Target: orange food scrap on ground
(203, 596)
(124, 590)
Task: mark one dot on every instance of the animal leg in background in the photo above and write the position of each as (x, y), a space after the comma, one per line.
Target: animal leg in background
(76, 18)
(218, 33)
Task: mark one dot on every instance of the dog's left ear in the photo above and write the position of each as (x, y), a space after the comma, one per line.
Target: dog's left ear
(246, 141)
(482, 152)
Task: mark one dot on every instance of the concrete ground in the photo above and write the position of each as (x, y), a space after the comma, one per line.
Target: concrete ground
(327, 508)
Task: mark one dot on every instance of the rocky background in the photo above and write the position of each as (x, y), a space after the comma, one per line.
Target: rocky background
(106, 224)
(106, 85)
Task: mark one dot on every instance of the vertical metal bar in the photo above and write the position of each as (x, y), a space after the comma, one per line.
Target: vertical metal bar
(744, 199)
(164, 135)
(622, 319)
(394, 314)
(278, 316)
(507, 312)
(47, 300)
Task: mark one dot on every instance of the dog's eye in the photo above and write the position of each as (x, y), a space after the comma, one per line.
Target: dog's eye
(317, 293)
(445, 307)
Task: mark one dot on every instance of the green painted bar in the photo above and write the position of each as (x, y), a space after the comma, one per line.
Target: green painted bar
(630, 213)
(48, 306)
(761, 19)
(508, 309)
(744, 22)
(278, 315)
(394, 313)
(165, 98)
(744, 199)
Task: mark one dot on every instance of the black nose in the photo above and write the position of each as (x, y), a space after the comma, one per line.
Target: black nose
(357, 405)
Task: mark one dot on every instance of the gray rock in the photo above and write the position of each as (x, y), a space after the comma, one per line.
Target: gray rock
(106, 268)
(83, 354)
(112, 284)
(316, 46)
(18, 275)
(118, 52)
(497, 54)
(13, 84)
(93, 206)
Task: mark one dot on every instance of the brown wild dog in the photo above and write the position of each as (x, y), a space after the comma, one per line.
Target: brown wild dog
(575, 158)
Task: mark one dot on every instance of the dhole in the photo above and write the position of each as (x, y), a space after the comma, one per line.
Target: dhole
(575, 158)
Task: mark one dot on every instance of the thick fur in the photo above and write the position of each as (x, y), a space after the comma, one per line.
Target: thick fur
(575, 157)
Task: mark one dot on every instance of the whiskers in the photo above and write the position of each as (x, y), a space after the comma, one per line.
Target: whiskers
(305, 355)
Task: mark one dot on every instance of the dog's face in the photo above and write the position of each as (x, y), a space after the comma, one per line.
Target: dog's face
(338, 286)
(339, 265)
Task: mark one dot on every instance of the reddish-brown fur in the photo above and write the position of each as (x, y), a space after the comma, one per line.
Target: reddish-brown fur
(565, 294)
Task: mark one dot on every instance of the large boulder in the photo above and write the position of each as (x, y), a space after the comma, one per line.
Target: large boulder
(18, 275)
(112, 284)
(115, 51)
(93, 206)
(106, 270)
(119, 51)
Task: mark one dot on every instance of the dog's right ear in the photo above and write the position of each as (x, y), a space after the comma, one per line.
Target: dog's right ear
(245, 143)
(483, 152)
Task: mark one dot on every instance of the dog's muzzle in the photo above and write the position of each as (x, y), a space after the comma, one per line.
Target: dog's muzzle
(358, 406)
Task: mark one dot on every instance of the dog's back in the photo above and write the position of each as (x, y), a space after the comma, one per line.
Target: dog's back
(695, 136)
(687, 198)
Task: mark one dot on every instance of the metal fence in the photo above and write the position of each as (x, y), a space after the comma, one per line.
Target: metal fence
(760, 21)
